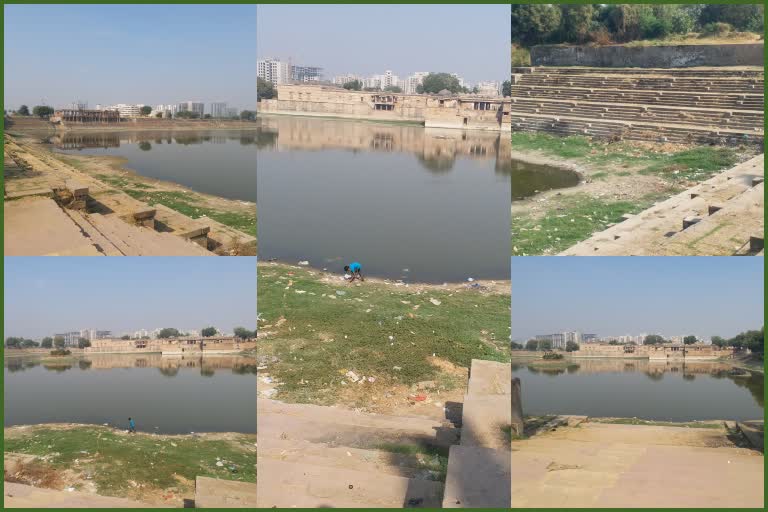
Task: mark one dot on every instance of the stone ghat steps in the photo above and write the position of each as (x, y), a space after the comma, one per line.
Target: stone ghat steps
(648, 132)
(713, 72)
(746, 120)
(699, 100)
(733, 228)
(285, 484)
(320, 424)
(313, 456)
(375, 458)
(722, 85)
(719, 216)
(116, 237)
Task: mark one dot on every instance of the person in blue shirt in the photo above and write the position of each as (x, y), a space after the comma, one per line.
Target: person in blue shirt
(131, 426)
(354, 269)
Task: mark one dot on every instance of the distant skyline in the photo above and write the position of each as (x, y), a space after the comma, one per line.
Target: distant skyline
(108, 54)
(705, 296)
(45, 295)
(471, 40)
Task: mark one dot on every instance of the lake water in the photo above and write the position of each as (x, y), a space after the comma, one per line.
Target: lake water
(638, 388)
(391, 196)
(217, 162)
(530, 179)
(167, 395)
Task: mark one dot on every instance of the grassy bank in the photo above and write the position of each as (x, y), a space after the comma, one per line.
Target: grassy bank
(114, 463)
(620, 178)
(317, 328)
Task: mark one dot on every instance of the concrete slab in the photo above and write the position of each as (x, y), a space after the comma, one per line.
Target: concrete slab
(25, 496)
(485, 420)
(605, 465)
(489, 378)
(284, 484)
(39, 227)
(217, 493)
(478, 478)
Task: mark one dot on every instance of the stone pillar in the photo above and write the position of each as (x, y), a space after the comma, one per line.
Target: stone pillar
(517, 407)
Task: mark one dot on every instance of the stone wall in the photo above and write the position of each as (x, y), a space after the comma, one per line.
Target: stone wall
(653, 352)
(463, 112)
(678, 56)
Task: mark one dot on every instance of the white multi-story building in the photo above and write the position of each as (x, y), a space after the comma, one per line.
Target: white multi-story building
(274, 71)
(192, 106)
(164, 110)
(345, 79)
(489, 88)
(127, 110)
(414, 81)
(219, 109)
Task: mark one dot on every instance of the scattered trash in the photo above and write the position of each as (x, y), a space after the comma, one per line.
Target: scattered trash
(304, 263)
(352, 376)
(419, 397)
(435, 301)
(396, 368)
(470, 279)
(300, 291)
(219, 463)
(340, 292)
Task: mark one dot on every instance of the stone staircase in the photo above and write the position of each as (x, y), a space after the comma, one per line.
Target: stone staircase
(689, 106)
(692, 222)
(314, 456)
(479, 468)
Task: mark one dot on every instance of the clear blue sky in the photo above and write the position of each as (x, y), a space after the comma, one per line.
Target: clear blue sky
(130, 54)
(471, 40)
(47, 294)
(704, 296)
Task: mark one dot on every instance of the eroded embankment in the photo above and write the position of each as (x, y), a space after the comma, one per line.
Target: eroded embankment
(379, 345)
(151, 468)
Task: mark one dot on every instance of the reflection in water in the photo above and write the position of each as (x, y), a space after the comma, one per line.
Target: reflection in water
(217, 162)
(395, 197)
(164, 394)
(655, 390)
(530, 179)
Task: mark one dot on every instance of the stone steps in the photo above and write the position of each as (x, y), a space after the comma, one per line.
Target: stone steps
(691, 219)
(714, 72)
(135, 241)
(359, 459)
(284, 484)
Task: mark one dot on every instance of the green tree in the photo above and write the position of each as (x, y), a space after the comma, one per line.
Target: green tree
(187, 114)
(393, 88)
(517, 346)
(207, 116)
(145, 145)
(265, 90)
(42, 111)
(506, 88)
(690, 340)
(145, 110)
(576, 21)
(532, 345)
(545, 345)
(571, 346)
(58, 341)
(243, 333)
(247, 115)
(653, 339)
(433, 83)
(47, 342)
(743, 17)
(719, 342)
(534, 23)
(83, 343)
(125, 337)
(23, 110)
(208, 332)
(13, 342)
(354, 85)
(169, 332)
(29, 344)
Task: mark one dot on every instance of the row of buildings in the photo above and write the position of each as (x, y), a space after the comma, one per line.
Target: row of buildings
(72, 338)
(279, 72)
(559, 340)
(217, 110)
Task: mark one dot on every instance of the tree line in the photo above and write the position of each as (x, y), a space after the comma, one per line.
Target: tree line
(44, 112)
(534, 24)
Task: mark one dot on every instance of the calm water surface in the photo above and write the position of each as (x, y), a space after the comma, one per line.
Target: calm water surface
(639, 388)
(168, 395)
(530, 179)
(406, 202)
(217, 162)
